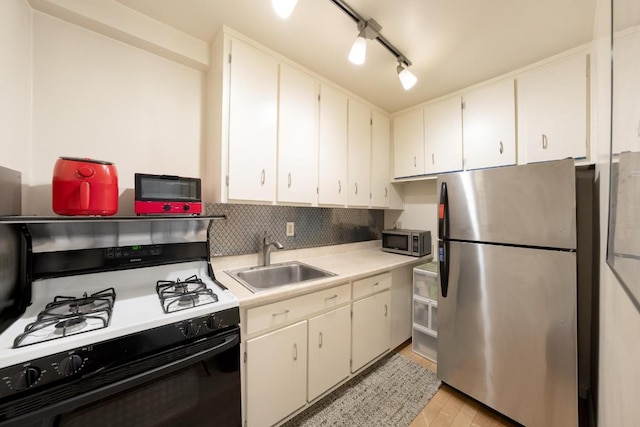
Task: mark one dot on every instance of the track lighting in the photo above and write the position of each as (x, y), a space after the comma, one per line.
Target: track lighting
(367, 30)
(283, 8)
(406, 77)
(370, 29)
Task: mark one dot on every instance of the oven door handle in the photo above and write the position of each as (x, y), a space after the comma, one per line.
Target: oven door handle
(230, 341)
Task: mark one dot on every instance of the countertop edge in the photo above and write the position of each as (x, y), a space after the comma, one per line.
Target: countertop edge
(347, 266)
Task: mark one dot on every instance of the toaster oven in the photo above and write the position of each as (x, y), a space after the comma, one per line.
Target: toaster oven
(167, 194)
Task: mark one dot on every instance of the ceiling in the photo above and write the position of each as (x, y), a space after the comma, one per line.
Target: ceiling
(451, 43)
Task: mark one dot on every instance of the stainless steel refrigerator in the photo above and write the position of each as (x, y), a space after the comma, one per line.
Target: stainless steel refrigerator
(509, 282)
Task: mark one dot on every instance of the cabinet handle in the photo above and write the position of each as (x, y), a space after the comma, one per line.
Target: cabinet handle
(414, 162)
(320, 340)
(545, 142)
(385, 191)
(334, 296)
(282, 313)
(262, 177)
(289, 181)
(356, 188)
(433, 159)
(501, 147)
(295, 351)
(339, 187)
(375, 284)
(386, 310)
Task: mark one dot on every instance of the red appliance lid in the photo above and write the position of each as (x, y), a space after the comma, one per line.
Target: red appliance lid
(87, 160)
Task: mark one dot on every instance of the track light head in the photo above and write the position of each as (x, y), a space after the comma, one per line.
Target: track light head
(283, 8)
(407, 78)
(367, 30)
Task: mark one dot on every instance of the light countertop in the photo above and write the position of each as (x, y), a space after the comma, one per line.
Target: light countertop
(349, 262)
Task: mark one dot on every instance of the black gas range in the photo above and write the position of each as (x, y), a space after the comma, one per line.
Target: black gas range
(121, 334)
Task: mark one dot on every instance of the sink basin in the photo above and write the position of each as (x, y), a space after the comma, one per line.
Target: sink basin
(262, 278)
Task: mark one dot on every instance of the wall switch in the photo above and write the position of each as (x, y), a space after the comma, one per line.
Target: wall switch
(291, 230)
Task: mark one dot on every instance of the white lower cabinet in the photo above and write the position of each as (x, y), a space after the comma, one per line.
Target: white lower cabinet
(329, 338)
(276, 374)
(371, 328)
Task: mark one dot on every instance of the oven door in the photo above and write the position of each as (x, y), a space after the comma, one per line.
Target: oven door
(199, 389)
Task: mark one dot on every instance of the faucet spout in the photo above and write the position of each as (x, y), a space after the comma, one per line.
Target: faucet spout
(267, 246)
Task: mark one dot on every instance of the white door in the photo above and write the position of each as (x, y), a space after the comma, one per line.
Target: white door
(408, 144)
(253, 99)
(626, 84)
(297, 137)
(332, 152)
(359, 154)
(276, 374)
(443, 135)
(553, 111)
(371, 328)
(380, 160)
(489, 126)
(329, 339)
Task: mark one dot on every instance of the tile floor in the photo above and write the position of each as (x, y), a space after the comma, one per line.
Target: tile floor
(449, 407)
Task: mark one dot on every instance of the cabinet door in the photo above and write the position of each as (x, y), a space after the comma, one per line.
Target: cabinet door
(371, 328)
(332, 172)
(329, 339)
(408, 144)
(297, 137)
(552, 110)
(380, 163)
(443, 136)
(253, 97)
(489, 126)
(276, 374)
(626, 86)
(359, 154)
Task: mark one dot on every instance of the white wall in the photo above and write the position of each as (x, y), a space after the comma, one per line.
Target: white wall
(420, 209)
(15, 88)
(97, 97)
(619, 356)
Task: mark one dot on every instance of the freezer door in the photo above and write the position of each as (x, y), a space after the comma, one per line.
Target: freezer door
(531, 205)
(507, 331)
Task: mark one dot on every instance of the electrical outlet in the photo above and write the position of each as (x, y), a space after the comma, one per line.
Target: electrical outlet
(291, 230)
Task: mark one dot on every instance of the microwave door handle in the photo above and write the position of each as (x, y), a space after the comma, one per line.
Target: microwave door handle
(443, 260)
(443, 212)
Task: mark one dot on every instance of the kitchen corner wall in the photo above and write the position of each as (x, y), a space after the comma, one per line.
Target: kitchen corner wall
(242, 231)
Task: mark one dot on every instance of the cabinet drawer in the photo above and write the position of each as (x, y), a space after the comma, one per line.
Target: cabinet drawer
(293, 309)
(425, 283)
(371, 285)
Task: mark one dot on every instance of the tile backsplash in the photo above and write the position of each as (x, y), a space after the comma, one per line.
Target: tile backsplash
(242, 231)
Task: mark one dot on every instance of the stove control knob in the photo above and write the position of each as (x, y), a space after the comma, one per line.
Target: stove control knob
(26, 378)
(213, 322)
(70, 365)
(189, 329)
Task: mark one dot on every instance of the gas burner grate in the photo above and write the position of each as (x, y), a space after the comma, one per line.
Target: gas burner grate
(176, 295)
(66, 316)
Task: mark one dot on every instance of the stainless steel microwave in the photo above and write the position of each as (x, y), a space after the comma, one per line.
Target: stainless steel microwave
(407, 242)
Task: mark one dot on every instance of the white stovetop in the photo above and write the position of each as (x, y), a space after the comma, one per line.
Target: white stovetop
(137, 307)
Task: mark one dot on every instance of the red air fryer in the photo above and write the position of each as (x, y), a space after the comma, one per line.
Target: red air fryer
(84, 187)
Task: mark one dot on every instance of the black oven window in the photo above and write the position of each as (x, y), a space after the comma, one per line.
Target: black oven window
(163, 189)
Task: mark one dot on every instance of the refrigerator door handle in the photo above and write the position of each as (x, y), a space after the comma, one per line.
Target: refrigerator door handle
(443, 212)
(443, 259)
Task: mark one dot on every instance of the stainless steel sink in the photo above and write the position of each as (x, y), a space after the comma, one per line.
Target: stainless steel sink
(262, 278)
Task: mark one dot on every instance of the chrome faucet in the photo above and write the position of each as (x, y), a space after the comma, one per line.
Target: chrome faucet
(266, 249)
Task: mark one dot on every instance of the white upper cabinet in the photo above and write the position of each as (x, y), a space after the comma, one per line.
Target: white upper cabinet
(297, 137)
(443, 135)
(626, 87)
(253, 103)
(408, 144)
(359, 154)
(553, 110)
(489, 126)
(380, 160)
(332, 153)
